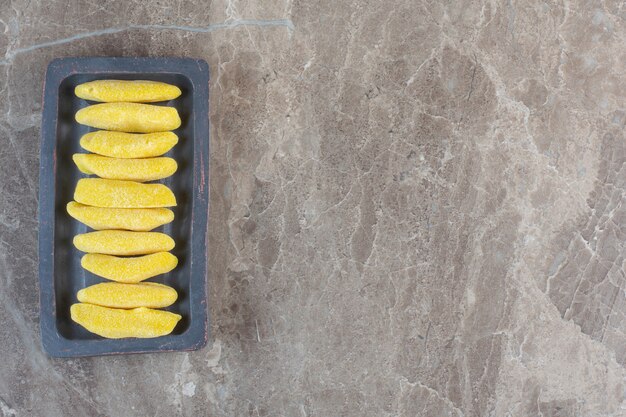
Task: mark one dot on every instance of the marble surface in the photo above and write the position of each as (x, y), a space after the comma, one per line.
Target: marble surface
(417, 208)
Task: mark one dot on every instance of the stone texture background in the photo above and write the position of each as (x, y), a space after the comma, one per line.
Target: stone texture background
(417, 208)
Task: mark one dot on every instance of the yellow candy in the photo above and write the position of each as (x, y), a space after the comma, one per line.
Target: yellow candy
(116, 295)
(128, 145)
(129, 117)
(140, 220)
(122, 242)
(116, 323)
(138, 91)
(148, 169)
(122, 194)
(129, 270)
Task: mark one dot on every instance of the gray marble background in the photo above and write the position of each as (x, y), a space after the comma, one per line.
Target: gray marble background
(417, 208)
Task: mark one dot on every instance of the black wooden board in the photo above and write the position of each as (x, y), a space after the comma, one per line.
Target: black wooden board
(60, 273)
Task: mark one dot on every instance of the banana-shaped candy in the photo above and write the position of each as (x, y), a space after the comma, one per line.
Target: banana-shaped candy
(116, 295)
(128, 145)
(138, 91)
(129, 117)
(149, 169)
(129, 270)
(101, 218)
(115, 323)
(123, 242)
(100, 192)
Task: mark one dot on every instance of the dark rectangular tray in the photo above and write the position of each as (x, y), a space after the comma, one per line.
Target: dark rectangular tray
(60, 273)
